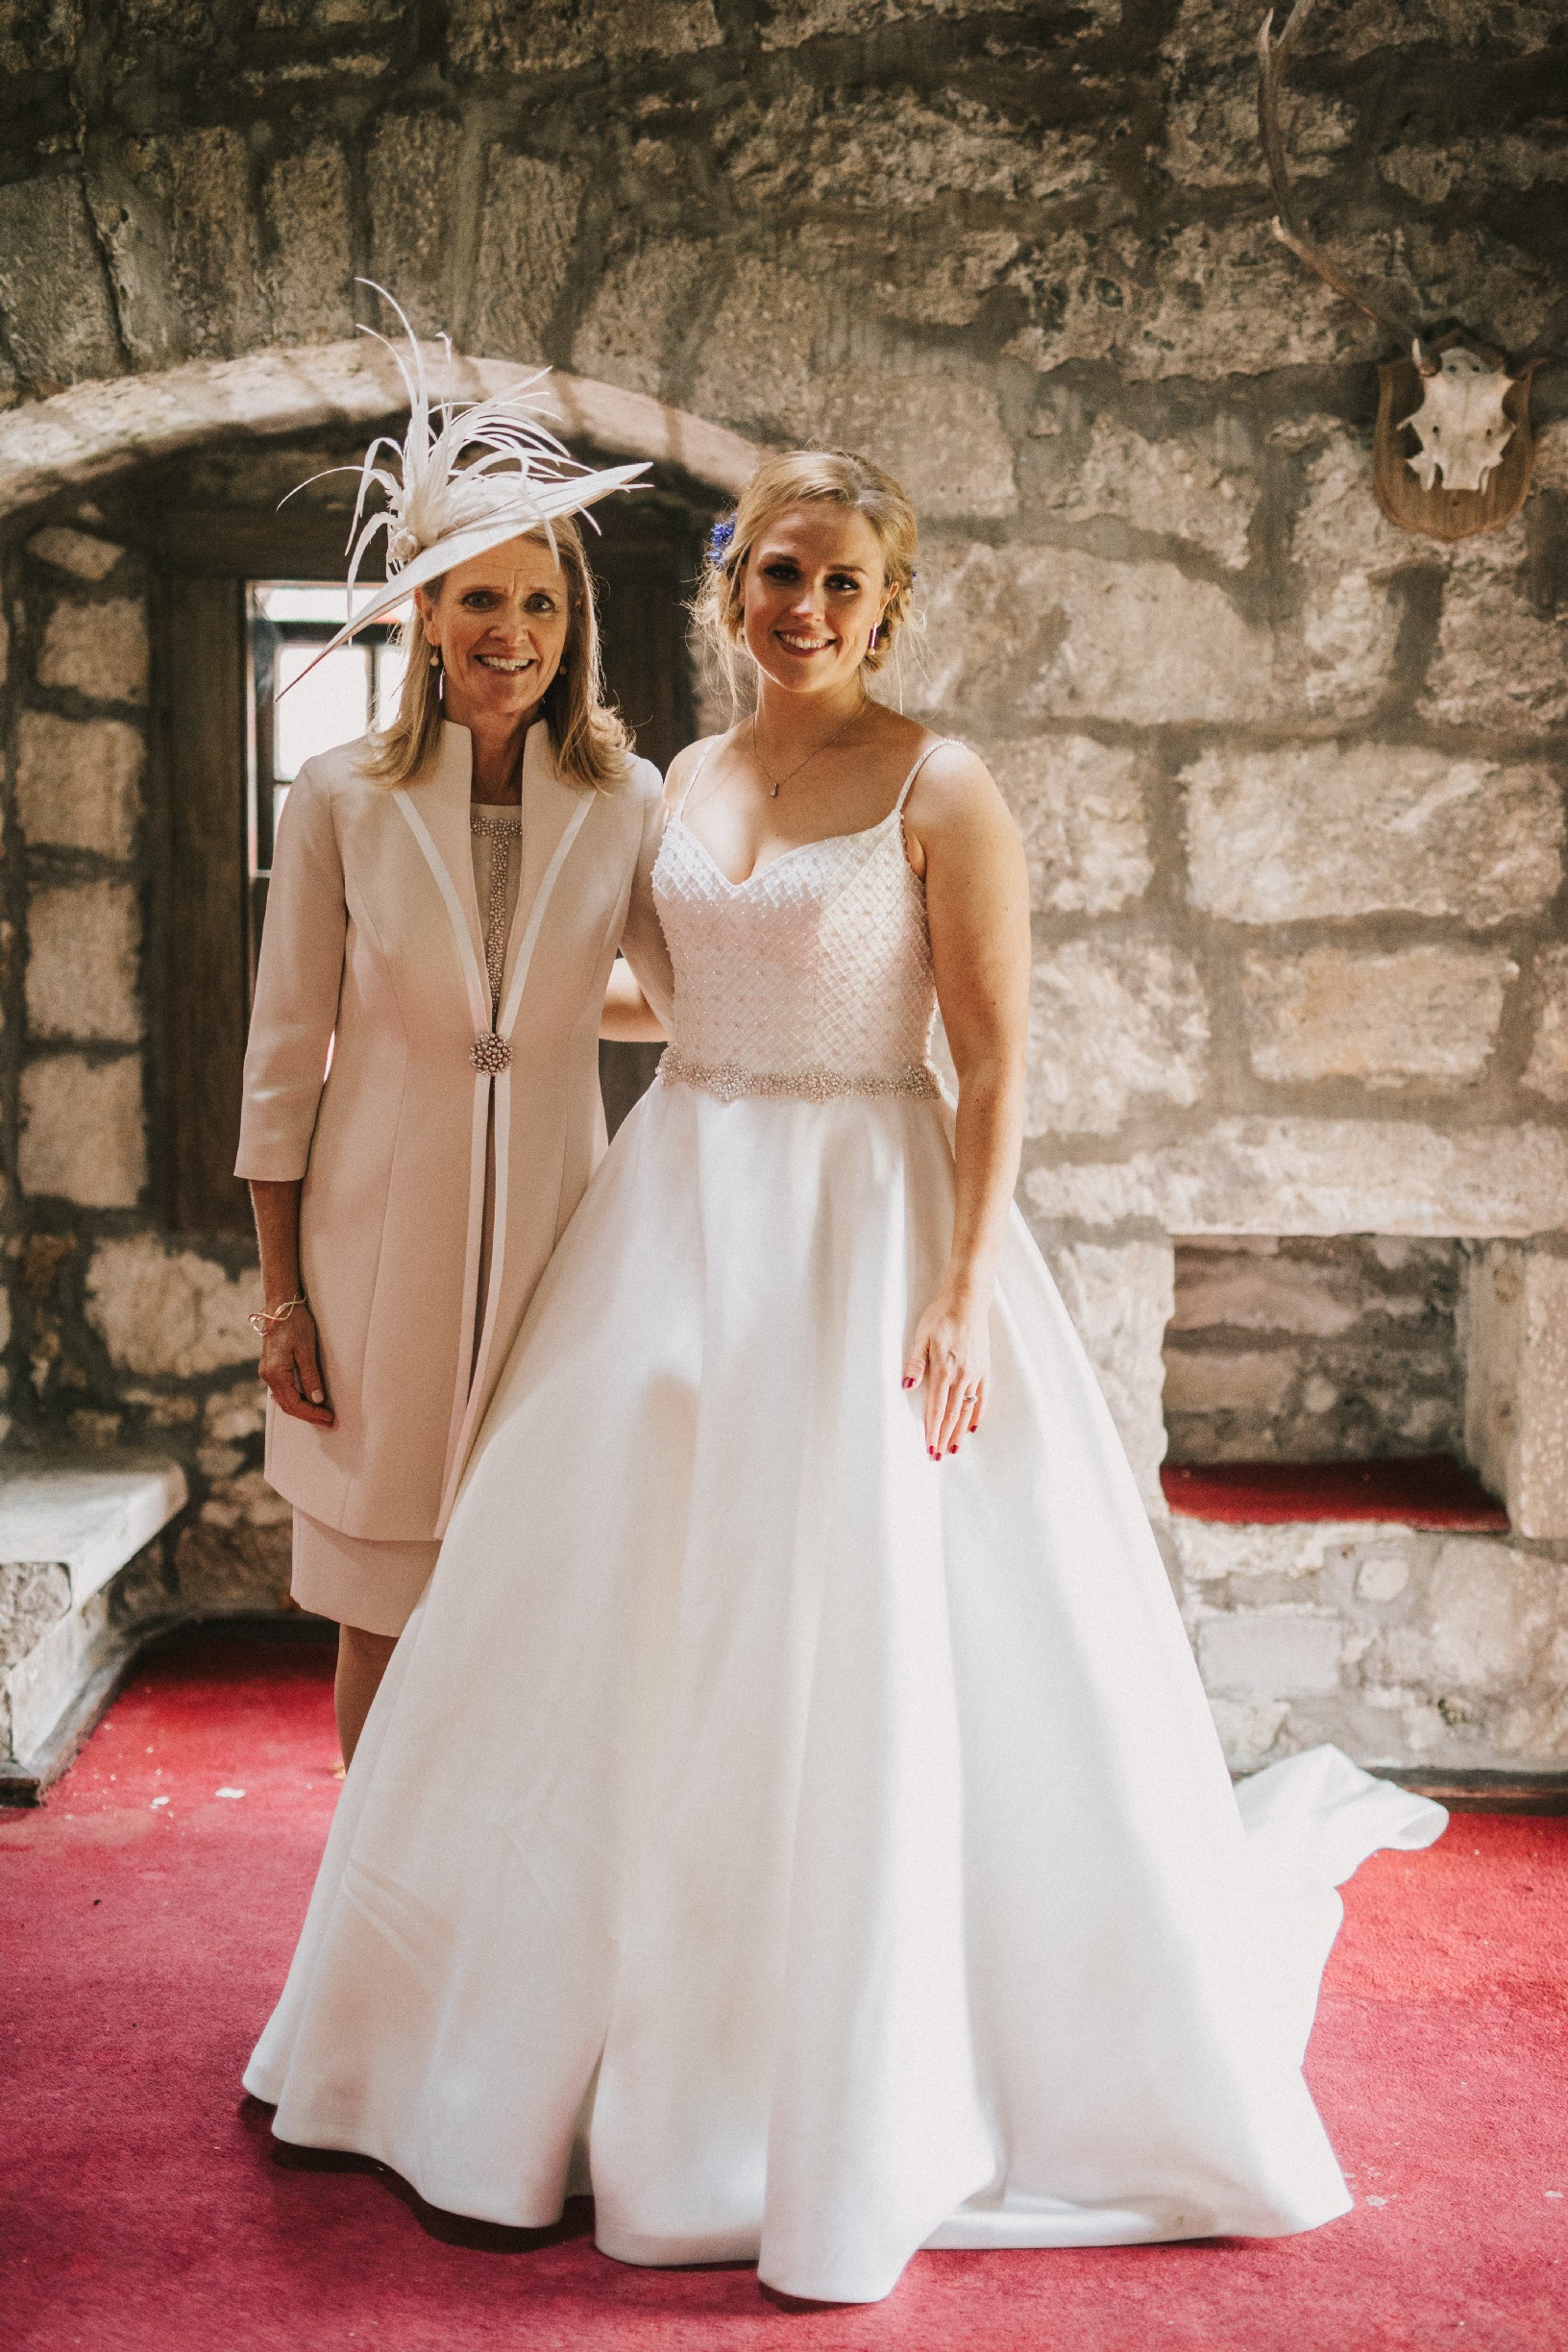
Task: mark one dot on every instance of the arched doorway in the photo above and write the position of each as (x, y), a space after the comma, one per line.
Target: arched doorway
(185, 471)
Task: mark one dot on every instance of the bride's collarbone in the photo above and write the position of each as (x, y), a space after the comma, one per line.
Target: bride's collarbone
(744, 825)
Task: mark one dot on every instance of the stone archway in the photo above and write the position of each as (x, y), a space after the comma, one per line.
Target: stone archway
(75, 437)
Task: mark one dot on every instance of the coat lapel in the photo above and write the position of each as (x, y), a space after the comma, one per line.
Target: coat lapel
(442, 796)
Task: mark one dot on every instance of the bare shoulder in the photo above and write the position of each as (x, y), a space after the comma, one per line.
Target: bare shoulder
(955, 795)
(685, 767)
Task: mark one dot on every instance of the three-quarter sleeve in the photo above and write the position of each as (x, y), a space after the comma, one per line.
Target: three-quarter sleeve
(643, 942)
(296, 987)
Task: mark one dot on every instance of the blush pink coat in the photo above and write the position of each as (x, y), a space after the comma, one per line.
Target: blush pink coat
(372, 956)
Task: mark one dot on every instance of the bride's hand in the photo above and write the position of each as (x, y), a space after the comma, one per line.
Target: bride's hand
(951, 1353)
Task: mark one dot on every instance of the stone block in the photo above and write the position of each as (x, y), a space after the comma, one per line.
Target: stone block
(78, 552)
(169, 1312)
(1079, 805)
(560, 36)
(96, 650)
(754, 364)
(1219, 1380)
(1271, 1653)
(214, 270)
(83, 945)
(77, 783)
(1489, 1607)
(54, 299)
(1428, 1013)
(1546, 1072)
(88, 1520)
(526, 236)
(1340, 654)
(1201, 488)
(1248, 1729)
(1435, 170)
(82, 1136)
(411, 174)
(1055, 633)
(894, 150)
(38, 37)
(245, 1500)
(236, 1567)
(33, 1595)
(1324, 1176)
(1310, 1289)
(305, 202)
(942, 437)
(1203, 300)
(1502, 661)
(808, 20)
(1516, 1393)
(636, 319)
(1112, 1028)
(231, 1415)
(1212, 129)
(1120, 1300)
(1212, 1555)
(1372, 828)
(945, 287)
(1211, 32)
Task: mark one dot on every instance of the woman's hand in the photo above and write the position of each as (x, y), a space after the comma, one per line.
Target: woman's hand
(291, 1368)
(951, 1353)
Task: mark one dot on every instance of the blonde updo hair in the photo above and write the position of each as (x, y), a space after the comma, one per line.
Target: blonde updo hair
(799, 478)
(590, 741)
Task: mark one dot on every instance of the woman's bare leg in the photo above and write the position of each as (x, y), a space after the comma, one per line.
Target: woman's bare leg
(361, 1662)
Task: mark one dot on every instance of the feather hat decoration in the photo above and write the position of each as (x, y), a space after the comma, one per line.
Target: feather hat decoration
(462, 481)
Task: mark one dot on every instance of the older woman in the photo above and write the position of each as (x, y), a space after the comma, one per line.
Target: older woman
(422, 1108)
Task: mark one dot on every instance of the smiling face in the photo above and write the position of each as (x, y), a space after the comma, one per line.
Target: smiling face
(501, 624)
(814, 594)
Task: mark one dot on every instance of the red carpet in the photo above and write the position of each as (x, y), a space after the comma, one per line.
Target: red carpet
(1424, 1490)
(143, 1943)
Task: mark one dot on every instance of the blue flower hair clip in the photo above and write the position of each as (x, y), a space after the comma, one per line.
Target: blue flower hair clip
(720, 537)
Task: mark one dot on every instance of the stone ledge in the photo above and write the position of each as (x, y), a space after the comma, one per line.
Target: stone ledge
(67, 1528)
(86, 1517)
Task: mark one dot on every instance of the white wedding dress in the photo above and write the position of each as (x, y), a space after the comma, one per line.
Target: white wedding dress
(818, 1850)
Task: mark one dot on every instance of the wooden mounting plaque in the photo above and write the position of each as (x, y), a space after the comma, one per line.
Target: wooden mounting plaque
(1438, 513)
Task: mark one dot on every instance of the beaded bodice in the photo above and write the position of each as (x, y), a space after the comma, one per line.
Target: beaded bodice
(811, 978)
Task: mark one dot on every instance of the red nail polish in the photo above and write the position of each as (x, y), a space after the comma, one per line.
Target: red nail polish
(953, 1448)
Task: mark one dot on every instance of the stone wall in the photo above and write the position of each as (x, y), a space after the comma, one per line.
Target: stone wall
(1292, 781)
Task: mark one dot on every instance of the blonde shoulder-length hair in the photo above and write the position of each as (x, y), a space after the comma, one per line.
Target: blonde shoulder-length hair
(590, 741)
(799, 478)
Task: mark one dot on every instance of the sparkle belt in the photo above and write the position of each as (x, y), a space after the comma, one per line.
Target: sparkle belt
(730, 1080)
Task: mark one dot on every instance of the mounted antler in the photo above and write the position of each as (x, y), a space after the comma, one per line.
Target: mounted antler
(1472, 467)
(1273, 57)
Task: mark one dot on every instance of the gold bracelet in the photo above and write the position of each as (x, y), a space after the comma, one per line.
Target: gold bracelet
(263, 1323)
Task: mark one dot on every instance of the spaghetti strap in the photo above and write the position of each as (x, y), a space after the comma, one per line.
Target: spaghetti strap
(680, 805)
(940, 744)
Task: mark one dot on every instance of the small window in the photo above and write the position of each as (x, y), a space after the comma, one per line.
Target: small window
(287, 623)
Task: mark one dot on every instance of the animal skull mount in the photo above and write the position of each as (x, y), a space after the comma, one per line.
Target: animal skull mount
(1460, 423)
(1470, 469)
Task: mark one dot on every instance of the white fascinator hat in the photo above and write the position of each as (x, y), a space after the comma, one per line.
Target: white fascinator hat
(462, 481)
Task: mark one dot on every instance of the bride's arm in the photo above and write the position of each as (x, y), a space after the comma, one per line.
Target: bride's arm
(977, 903)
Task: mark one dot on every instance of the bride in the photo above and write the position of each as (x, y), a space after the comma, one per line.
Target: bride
(792, 1811)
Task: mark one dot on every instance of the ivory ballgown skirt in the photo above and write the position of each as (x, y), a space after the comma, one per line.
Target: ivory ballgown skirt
(819, 1851)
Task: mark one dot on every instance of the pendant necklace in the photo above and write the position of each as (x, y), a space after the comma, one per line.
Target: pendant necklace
(774, 788)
